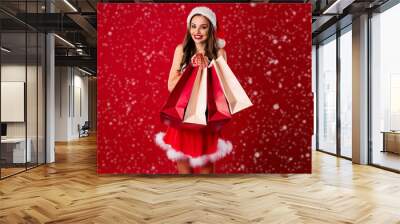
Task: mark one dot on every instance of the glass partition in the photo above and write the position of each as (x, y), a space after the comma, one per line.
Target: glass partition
(22, 89)
(385, 89)
(327, 95)
(13, 108)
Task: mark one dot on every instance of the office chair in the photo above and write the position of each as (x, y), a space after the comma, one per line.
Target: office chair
(84, 130)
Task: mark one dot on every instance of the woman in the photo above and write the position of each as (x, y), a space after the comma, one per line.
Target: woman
(195, 148)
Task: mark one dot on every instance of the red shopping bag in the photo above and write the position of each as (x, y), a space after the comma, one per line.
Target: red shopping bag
(173, 111)
(218, 113)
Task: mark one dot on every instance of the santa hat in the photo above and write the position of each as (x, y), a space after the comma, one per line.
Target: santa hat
(207, 12)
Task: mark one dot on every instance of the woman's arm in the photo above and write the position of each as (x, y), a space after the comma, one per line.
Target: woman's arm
(174, 73)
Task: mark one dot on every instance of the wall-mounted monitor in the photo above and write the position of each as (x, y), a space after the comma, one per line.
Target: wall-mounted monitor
(12, 101)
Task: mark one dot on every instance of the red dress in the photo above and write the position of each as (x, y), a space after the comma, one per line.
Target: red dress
(198, 146)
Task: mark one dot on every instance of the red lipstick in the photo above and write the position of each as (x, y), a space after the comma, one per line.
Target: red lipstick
(198, 37)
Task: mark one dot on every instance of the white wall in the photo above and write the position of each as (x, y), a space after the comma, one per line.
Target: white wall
(61, 103)
(71, 93)
(81, 84)
(16, 72)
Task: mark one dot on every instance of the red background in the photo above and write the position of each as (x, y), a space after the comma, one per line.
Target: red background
(268, 48)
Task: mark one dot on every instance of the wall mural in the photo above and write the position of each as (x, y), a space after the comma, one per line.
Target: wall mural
(204, 88)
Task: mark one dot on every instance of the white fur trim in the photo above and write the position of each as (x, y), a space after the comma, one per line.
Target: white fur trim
(224, 147)
(207, 12)
(221, 43)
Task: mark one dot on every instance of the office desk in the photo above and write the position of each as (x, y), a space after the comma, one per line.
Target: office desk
(391, 141)
(13, 150)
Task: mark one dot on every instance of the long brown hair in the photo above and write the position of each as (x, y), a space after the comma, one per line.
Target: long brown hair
(189, 47)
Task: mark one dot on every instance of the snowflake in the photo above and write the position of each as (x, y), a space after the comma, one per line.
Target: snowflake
(250, 80)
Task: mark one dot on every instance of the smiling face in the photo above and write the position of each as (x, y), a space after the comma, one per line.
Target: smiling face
(199, 29)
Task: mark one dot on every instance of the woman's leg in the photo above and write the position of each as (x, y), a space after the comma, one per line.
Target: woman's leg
(184, 167)
(207, 169)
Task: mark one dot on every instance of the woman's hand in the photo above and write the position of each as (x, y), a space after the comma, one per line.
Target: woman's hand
(200, 60)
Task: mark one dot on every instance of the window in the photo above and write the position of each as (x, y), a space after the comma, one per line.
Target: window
(327, 95)
(346, 92)
(385, 88)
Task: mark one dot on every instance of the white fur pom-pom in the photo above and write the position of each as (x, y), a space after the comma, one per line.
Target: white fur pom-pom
(221, 43)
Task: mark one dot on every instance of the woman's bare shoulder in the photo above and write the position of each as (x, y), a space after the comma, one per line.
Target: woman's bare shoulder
(179, 48)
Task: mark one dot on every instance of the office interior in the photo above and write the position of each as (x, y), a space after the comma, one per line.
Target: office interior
(48, 79)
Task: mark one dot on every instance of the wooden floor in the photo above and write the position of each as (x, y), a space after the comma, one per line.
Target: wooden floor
(5, 172)
(8, 171)
(70, 191)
